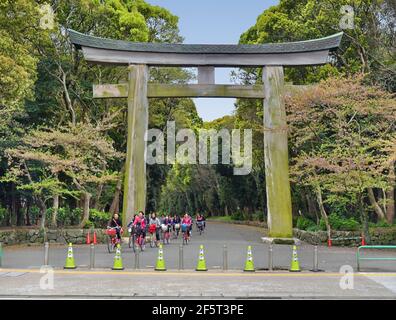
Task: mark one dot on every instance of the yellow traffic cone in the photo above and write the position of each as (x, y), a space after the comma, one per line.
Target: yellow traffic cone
(295, 265)
(201, 265)
(117, 265)
(70, 259)
(160, 266)
(249, 265)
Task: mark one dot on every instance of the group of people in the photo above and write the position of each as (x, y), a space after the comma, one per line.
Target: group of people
(141, 223)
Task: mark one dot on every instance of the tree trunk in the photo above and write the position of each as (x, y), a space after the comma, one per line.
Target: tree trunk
(323, 211)
(312, 209)
(390, 195)
(87, 199)
(13, 220)
(374, 203)
(99, 191)
(43, 211)
(55, 208)
(115, 205)
(364, 219)
(27, 213)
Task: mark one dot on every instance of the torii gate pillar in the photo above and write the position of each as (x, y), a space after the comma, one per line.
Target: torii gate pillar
(135, 166)
(279, 210)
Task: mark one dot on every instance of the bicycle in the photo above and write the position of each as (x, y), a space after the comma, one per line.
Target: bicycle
(112, 240)
(131, 231)
(186, 237)
(138, 240)
(176, 231)
(166, 233)
(153, 236)
(200, 227)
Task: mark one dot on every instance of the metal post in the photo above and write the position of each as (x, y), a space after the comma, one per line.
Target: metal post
(92, 256)
(225, 258)
(270, 257)
(315, 259)
(46, 253)
(181, 262)
(137, 264)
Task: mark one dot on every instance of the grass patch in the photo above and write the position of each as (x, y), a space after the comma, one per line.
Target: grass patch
(221, 219)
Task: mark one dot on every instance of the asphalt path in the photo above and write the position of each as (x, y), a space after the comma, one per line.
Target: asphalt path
(217, 235)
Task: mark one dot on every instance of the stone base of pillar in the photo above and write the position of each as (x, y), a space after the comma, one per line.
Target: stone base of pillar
(291, 241)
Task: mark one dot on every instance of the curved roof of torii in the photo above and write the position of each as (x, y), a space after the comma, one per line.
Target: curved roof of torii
(102, 50)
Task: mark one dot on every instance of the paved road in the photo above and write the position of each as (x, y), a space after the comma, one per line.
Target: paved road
(85, 284)
(235, 237)
(20, 276)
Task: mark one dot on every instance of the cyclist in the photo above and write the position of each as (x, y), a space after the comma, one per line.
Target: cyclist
(200, 221)
(140, 224)
(187, 221)
(167, 224)
(156, 223)
(176, 224)
(116, 224)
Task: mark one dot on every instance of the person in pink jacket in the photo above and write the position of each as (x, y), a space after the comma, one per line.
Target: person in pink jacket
(188, 222)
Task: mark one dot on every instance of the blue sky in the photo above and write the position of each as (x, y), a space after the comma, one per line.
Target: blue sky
(210, 22)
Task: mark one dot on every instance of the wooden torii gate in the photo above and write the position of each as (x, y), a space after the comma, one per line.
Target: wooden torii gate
(271, 57)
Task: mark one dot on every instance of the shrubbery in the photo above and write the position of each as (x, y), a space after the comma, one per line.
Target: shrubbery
(336, 221)
(98, 219)
(303, 223)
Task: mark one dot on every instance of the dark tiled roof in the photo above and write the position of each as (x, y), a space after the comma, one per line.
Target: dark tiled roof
(328, 43)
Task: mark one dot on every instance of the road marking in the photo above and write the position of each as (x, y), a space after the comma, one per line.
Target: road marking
(200, 274)
(389, 283)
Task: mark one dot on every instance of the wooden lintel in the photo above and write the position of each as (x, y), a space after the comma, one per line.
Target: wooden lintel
(190, 91)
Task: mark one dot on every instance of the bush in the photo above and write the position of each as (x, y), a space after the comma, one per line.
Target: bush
(238, 216)
(258, 216)
(304, 223)
(99, 219)
(67, 217)
(338, 222)
(380, 224)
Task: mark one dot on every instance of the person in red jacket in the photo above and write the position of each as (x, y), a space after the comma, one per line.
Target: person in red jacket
(140, 224)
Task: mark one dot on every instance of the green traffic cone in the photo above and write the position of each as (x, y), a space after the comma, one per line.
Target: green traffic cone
(70, 259)
(201, 265)
(118, 259)
(249, 265)
(295, 265)
(160, 266)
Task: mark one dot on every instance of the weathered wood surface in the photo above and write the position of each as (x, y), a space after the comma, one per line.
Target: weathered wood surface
(276, 155)
(115, 57)
(191, 91)
(206, 75)
(135, 167)
(182, 91)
